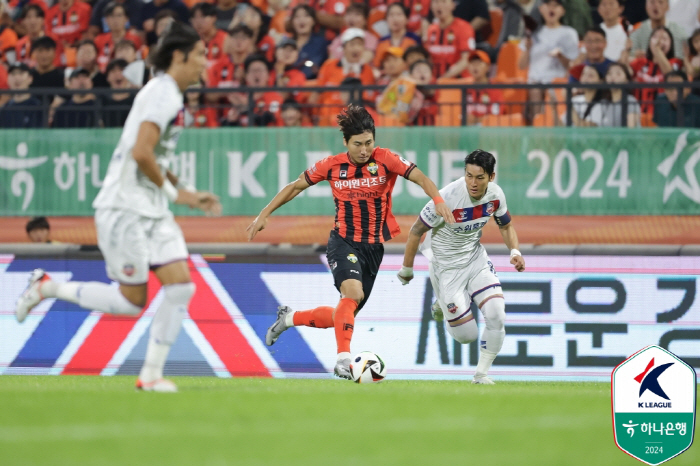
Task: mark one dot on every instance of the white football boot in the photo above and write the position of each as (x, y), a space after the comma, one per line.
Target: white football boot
(160, 385)
(31, 295)
(342, 369)
(276, 329)
(483, 380)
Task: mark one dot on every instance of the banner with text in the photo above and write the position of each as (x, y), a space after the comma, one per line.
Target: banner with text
(553, 171)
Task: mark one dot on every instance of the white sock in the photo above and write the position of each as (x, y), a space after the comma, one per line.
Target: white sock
(289, 319)
(95, 296)
(485, 360)
(165, 328)
(344, 355)
(493, 335)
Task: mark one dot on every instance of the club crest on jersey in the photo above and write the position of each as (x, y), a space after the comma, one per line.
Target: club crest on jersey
(372, 168)
(490, 208)
(128, 269)
(450, 38)
(352, 258)
(452, 307)
(343, 174)
(74, 18)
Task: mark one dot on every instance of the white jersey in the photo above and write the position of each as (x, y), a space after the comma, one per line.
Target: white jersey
(125, 186)
(457, 244)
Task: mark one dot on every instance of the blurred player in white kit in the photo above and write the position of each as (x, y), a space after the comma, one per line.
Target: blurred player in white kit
(459, 263)
(136, 231)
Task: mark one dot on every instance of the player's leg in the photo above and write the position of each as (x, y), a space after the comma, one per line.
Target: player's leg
(449, 288)
(485, 290)
(123, 245)
(168, 256)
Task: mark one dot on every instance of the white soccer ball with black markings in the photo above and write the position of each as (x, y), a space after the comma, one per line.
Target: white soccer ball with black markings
(367, 367)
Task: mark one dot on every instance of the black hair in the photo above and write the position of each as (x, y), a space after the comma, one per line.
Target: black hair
(419, 62)
(177, 36)
(37, 223)
(482, 159)
(111, 6)
(252, 58)
(241, 28)
(355, 120)
(671, 52)
(32, 7)
(600, 94)
(676, 74)
(404, 9)
(43, 42)
(310, 11)
(82, 42)
(164, 13)
(623, 68)
(116, 63)
(416, 49)
(360, 8)
(691, 47)
(207, 9)
(289, 103)
(595, 29)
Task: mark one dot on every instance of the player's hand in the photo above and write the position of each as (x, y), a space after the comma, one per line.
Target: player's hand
(444, 212)
(257, 225)
(518, 262)
(209, 203)
(405, 275)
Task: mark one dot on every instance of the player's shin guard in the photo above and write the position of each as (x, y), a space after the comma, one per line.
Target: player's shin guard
(494, 310)
(321, 317)
(95, 296)
(344, 323)
(165, 328)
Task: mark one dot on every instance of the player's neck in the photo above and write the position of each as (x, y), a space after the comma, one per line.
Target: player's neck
(182, 83)
(444, 23)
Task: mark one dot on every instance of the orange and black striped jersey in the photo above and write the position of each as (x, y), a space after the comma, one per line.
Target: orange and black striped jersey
(362, 193)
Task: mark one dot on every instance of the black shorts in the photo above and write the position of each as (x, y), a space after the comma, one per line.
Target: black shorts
(351, 260)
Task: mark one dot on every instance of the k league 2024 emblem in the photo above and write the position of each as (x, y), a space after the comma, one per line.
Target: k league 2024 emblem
(653, 401)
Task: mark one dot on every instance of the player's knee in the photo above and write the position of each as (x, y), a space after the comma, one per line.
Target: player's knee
(465, 333)
(127, 307)
(180, 293)
(495, 313)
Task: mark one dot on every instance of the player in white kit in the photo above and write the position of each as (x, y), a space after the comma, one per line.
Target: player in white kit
(460, 270)
(136, 230)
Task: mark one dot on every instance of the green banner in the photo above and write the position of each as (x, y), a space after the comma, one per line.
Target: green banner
(543, 171)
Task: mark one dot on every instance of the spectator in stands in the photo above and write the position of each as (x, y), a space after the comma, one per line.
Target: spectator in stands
(590, 106)
(22, 110)
(229, 70)
(45, 74)
(291, 115)
(116, 106)
(449, 40)
(79, 110)
(68, 20)
(481, 102)
(615, 32)
(203, 19)
(416, 53)
(8, 38)
(659, 60)
(136, 71)
(286, 74)
(151, 9)
(86, 58)
(162, 20)
(618, 74)
(39, 230)
(260, 25)
(685, 13)
(476, 13)
(313, 47)
(399, 36)
(417, 13)
(266, 105)
(335, 70)
(656, 9)
(203, 116)
(692, 57)
(666, 105)
(548, 52)
(594, 42)
(116, 18)
(329, 14)
(225, 9)
(577, 15)
(422, 72)
(33, 20)
(392, 65)
(356, 16)
(98, 24)
(513, 24)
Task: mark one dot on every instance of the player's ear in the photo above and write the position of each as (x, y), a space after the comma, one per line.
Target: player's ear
(345, 143)
(492, 176)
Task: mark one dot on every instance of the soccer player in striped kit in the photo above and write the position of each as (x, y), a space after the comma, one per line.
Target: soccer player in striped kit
(362, 180)
(459, 263)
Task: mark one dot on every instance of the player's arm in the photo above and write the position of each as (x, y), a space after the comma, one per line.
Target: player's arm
(143, 154)
(419, 178)
(414, 236)
(285, 195)
(458, 67)
(510, 237)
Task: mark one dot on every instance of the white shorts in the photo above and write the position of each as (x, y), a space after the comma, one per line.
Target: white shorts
(456, 288)
(132, 244)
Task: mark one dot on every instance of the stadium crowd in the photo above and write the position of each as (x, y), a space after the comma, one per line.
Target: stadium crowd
(101, 48)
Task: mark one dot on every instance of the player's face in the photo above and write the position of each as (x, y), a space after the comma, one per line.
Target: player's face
(360, 147)
(39, 235)
(477, 180)
(196, 62)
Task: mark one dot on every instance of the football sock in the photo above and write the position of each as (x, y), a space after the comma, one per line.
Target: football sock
(95, 296)
(492, 338)
(321, 317)
(165, 328)
(344, 323)
(343, 355)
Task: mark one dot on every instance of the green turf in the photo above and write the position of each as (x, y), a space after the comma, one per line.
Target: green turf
(102, 420)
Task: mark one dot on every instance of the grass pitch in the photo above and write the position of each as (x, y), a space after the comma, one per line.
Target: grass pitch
(104, 421)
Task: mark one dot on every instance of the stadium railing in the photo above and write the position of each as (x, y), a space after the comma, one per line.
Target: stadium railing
(452, 109)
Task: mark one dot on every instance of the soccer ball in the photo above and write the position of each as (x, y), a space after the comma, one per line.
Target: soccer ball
(367, 367)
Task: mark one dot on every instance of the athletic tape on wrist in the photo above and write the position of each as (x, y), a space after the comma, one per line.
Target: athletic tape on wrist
(169, 190)
(438, 199)
(514, 252)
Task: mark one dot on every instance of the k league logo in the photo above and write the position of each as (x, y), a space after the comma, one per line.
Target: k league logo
(653, 401)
